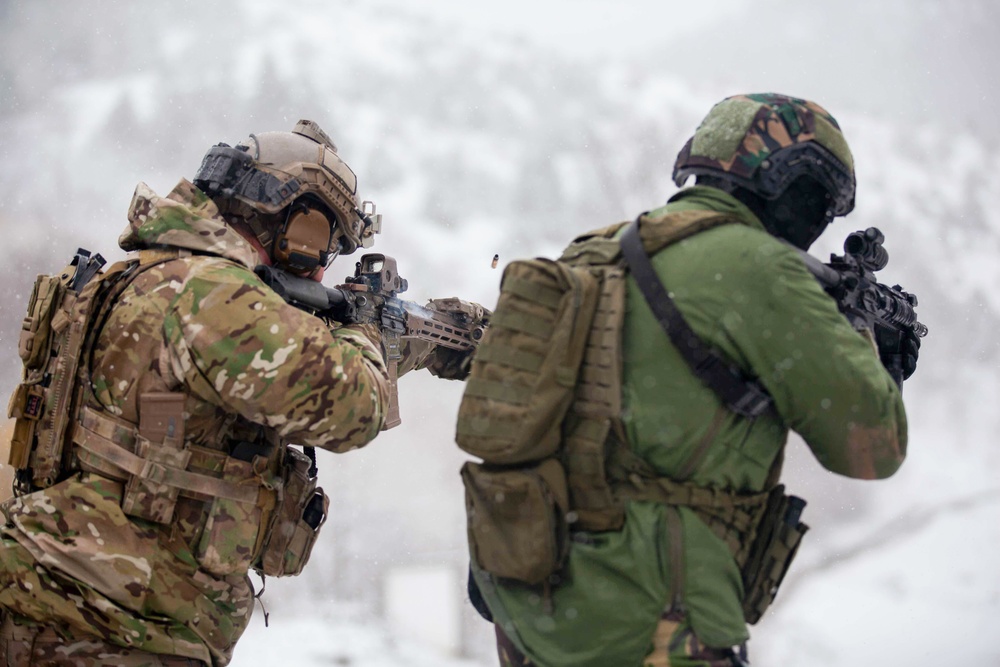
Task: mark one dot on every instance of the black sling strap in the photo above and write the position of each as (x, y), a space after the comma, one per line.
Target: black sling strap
(744, 396)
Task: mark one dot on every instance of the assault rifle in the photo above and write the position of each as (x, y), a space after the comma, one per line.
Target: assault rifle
(888, 312)
(370, 297)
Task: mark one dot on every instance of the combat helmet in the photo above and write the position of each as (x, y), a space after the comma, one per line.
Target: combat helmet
(763, 142)
(294, 192)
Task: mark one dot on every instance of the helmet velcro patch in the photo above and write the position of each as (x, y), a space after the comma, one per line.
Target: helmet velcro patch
(719, 136)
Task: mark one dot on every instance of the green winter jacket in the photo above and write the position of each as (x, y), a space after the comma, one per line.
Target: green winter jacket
(750, 296)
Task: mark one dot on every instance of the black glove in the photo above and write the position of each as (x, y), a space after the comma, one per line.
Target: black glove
(899, 351)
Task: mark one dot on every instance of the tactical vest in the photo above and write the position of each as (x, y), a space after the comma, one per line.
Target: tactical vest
(542, 409)
(262, 506)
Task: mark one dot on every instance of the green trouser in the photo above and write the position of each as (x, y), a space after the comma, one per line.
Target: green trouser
(674, 645)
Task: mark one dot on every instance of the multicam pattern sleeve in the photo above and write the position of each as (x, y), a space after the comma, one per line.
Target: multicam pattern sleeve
(236, 344)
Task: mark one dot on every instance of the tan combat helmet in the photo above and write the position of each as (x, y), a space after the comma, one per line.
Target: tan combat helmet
(294, 192)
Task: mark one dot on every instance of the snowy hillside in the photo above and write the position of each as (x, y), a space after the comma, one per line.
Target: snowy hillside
(472, 146)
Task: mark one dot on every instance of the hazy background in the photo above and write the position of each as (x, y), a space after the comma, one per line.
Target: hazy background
(482, 128)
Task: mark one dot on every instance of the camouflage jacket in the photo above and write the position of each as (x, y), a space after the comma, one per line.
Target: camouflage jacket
(252, 369)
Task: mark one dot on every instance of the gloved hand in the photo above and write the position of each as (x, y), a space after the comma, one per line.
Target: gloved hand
(910, 352)
(898, 351)
(370, 330)
(472, 312)
(453, 364)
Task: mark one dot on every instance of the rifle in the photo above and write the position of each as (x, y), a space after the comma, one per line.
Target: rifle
(370, 297)
(888, 312)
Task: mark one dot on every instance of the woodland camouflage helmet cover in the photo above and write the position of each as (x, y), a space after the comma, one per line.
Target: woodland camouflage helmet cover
(265, 174)
(765, 141)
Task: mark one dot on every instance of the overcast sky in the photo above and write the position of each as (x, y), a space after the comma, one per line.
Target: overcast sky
(580, 28)
(915, 60)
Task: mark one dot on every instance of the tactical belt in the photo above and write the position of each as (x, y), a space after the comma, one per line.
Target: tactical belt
(103, 441)
(732, 517)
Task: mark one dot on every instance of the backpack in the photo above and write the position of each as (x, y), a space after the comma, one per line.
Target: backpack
(543, 399)
(542, 411)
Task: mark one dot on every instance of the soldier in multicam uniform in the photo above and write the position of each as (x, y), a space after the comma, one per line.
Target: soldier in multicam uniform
(132, 544)
(688, 475)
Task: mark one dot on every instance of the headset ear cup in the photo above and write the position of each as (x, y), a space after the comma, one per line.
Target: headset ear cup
(303, 242)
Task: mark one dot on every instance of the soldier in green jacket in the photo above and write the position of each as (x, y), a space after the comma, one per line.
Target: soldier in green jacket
(666, 588)
(159, 474)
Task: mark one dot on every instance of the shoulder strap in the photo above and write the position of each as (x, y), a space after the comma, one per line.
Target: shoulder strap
(746, 397)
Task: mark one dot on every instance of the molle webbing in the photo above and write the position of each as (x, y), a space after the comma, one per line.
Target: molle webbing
(595, 433)
(546, 391)
(107, 445)
(57, 337)
(594, 413)
(57, 329)
(732, 517)
(523, 376)
(598, 388)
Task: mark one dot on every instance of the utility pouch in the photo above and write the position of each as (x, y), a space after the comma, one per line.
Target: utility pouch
(778, 536)
(516, 519)
(525, 370)
(300, 512)
(28, 402)
(229, 540)
(161, 444)
(26, 406)
(46, 296)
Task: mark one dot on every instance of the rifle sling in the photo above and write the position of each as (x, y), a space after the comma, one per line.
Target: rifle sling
(744, 396)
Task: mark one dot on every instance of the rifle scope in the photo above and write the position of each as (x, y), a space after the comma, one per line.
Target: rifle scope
(867, 248)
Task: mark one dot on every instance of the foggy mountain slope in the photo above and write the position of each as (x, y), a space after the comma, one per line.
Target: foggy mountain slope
(471, 147)
(918, 58)
(468, 148)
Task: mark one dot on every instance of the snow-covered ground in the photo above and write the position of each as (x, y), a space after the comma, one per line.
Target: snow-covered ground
(335, 635)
